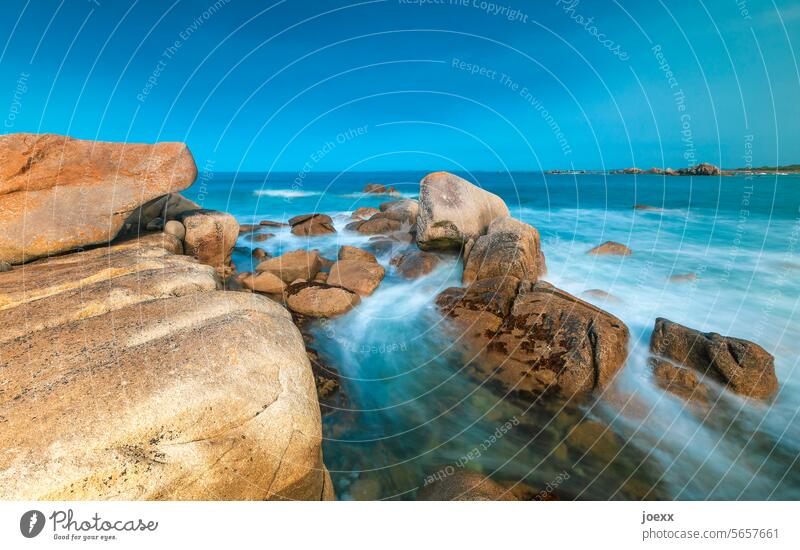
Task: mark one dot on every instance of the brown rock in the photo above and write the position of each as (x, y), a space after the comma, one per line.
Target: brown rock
(167, 208)
(378, 189)
(415, 263)
(745, 367)
(298, 264)
(362, 277)
(404, 211)
(682, 277)
(59, 193)
(270, 223)
(595, 438)
(610, 248)
(316, 299)
(510, 247)
(260, 254)
(601, 295)
(354, 253)
(678, 380)
(248, 228)
(702, 169)
(311, 224)
(176, 228)
(264, 282)
(463, 485)
(533, 338)
(452, 211)
(260, 237)
(364, 213)
(375, 225)
(210, 236)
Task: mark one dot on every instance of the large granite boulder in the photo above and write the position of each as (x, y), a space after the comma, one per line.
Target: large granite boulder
(210, 236)
(532, 338)
(127, 375)
(743, 366)
(58, 193)
(510, 247)
(452, 211)
(360, 276)
(318, 299)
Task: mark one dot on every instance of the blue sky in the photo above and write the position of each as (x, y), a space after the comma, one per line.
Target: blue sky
(394, 84)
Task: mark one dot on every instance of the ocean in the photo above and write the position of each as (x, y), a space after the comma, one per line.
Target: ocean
(413, 412)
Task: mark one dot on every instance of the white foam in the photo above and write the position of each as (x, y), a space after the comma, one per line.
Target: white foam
(286, 193)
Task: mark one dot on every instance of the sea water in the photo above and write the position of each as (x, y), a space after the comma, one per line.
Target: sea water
(413, 413)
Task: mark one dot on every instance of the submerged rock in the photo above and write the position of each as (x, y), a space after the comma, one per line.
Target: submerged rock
(509, 247)
(463, 485)
(452, 211)
(610, 248)
(533, 338)
(415, 263)
(677, 380)
(360, 276)
(316, 299)
(58, 193)
(743, 366)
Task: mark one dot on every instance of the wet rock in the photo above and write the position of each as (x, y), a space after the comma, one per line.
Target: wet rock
(316, 299)
(311, 224)
(610, 248)
(362, 277)
(248, 228)
(532, 338)
(601, 295)
(364, 213)
(404, 211)
(452, 211)
(355, 253)
(260, 254)
(463, 485)
(298, 264)
(264, 282)
(375, 225)
(270, 223)
(678, 380)
(415, 263)
(743, 366)
(378, 189)
(682, 277)
(260, 237)
(509, 247)
(210, 236)
(647, 208)
(92, 186)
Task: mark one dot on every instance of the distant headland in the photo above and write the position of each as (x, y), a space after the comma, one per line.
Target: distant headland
(702, 169)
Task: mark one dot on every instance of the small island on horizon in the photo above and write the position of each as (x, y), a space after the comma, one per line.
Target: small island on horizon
(702, 169)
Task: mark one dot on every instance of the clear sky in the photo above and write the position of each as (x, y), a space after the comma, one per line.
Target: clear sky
(417, 84)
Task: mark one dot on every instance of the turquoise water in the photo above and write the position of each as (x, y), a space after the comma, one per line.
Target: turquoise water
(413, 411)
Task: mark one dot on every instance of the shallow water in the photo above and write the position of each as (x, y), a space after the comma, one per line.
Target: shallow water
(413, 411)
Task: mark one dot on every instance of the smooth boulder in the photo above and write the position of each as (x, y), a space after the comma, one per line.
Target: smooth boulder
(308, 225)
(452, 211)
(264, 282)
(743, 366)
(355, 253)
(58, 193)
(415, 263)
(290, 266)
(610, 248)
(317, 299)
(509, 247)
(210, 236)
(362, 277)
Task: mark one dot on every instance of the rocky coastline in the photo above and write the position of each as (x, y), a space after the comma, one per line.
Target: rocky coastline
(149, 368)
